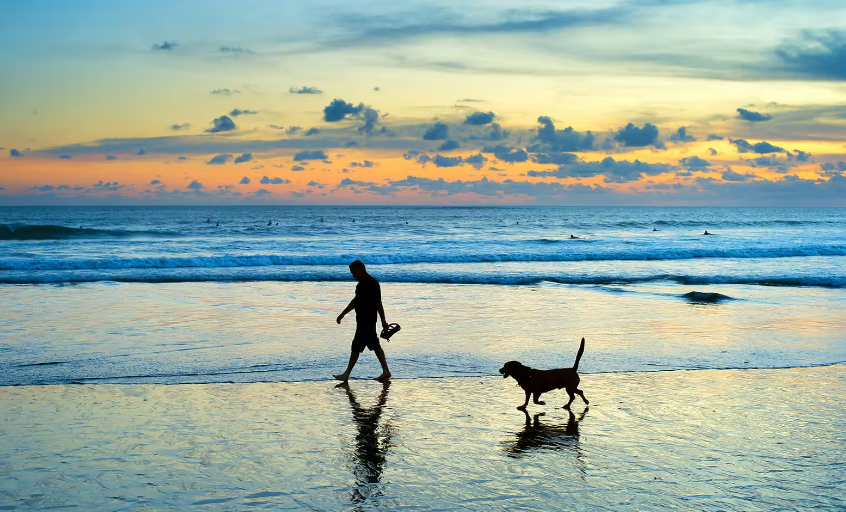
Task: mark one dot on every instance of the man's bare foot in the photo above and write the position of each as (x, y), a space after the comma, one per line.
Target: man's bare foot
(383, 377)
(342, 377)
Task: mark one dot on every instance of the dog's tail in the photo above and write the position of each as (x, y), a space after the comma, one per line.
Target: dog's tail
(579, 355)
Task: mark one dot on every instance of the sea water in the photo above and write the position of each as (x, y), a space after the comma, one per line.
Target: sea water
(243, 294)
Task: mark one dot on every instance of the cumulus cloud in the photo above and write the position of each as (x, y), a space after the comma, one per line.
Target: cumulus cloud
(311, 131)
(832, 169)
(551, 139)
(297, 168)
(225, 92)
(730, 175)
(554, 158)
(155, 182)
(42, 188)
(106, 186)
(262, 192)
(371, 119)
(238, 112)
(480, 118)
(507, 153)
(15, 153)
(478, 160)
(219, 159)
(166, 46)
(65, 157)
(316, 154)
(305, 90)
(222, 124)
(449, 145)
(714, 136)
(246, 157)
(614, 171)
(751, 115)
(681, 135)
(762, 148)
(366, 163)
(438, 131)
(244, 181)
(177, 127)
(339, 110)
(141, 152)
(274, 181)
(694, 162)
(111, 157)
(632, 136)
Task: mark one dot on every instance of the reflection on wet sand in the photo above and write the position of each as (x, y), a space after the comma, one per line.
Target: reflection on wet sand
(371, 445)
(537, 436)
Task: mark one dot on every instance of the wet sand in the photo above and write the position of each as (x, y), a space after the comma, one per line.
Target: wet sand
(684, 440)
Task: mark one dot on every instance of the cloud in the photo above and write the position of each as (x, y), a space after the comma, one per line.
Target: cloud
(274, 181)
(762, 148)
(694, 162)
(802, 156)
(166, 46)
(219, 159)
(817, 54)
(65, 157)
(339, 110)
(262, 192)
(507, 154)
(108, 186)
(712, 152)
(311, 131)
(614, 171)
(714, 136)
(632, 136)
(551, 139)
(111, 157)
(222, 124)
(449, 145)
(681, 135)
(238, 112)
(438, 131)
(155, 182)
(305, 90)
(15, 153)
(371, 119)
(831, 169)
(141, 152)
(182, 158)
(750, 115)
(480, 118)
(478, 160)
(236, 50)
(244, 181)
(350, 144)
(177, 127)
(497, 133)
(246, 157)
(225, 92)
(42, 188)
(366, 163)
(555, 158)
(317, 154)
(730, 175)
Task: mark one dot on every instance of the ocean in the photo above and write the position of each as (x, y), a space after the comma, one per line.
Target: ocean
(250, 294)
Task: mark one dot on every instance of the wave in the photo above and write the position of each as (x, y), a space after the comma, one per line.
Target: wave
(261, 275)
(263, 260)
(52, 232)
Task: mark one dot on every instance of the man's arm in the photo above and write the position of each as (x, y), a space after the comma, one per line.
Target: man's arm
(381, 311)
(346, 310)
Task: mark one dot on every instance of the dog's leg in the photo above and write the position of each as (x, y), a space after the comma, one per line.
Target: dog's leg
(537, 395)
(523, 407)
(581, 394)
(572, 397)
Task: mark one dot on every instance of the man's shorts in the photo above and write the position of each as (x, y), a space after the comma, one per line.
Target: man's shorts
(365, 337)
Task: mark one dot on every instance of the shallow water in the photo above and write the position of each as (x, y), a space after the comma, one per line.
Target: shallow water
(272, 332)
(689, 440)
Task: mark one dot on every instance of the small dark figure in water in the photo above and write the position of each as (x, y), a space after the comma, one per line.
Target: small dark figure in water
(277, 223)
(573, 237)
(406, 222)
(654, 229)
(707, 233)
(353, 219)
(367, 303)
(217, 225)
(208, 220)
(321, 219)
(269, 223)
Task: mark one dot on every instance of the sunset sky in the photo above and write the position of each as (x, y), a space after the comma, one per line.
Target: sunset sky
(638, 102)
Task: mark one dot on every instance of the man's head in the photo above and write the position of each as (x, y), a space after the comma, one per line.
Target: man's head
(358, 270)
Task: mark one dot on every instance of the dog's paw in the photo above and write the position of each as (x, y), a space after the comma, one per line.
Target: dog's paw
(541, 403)
(566, 407)
(521, 408)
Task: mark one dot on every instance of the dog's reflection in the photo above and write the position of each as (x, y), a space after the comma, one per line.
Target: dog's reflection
(537, 436)
(372, 442)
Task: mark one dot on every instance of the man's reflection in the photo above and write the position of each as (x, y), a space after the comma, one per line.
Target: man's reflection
(371, 444)
(537, 436)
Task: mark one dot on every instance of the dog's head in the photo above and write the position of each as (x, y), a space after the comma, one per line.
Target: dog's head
(513, 368)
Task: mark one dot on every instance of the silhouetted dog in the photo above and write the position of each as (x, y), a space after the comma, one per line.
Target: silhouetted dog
(537, 382)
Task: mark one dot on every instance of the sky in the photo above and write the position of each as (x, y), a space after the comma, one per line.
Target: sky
(569, 102)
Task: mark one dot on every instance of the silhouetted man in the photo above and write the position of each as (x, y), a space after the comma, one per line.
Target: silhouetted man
(367, 303)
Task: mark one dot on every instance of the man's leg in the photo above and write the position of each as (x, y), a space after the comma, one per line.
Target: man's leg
(346, 375)
(386, 373)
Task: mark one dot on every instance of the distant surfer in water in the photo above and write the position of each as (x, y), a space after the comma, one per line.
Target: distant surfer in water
(707, 233)
(367, 303)
(654, 229)
(572, 237)
(208, 220)
(270, 223)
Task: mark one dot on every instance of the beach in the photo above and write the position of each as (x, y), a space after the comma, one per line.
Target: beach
(681, 440)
